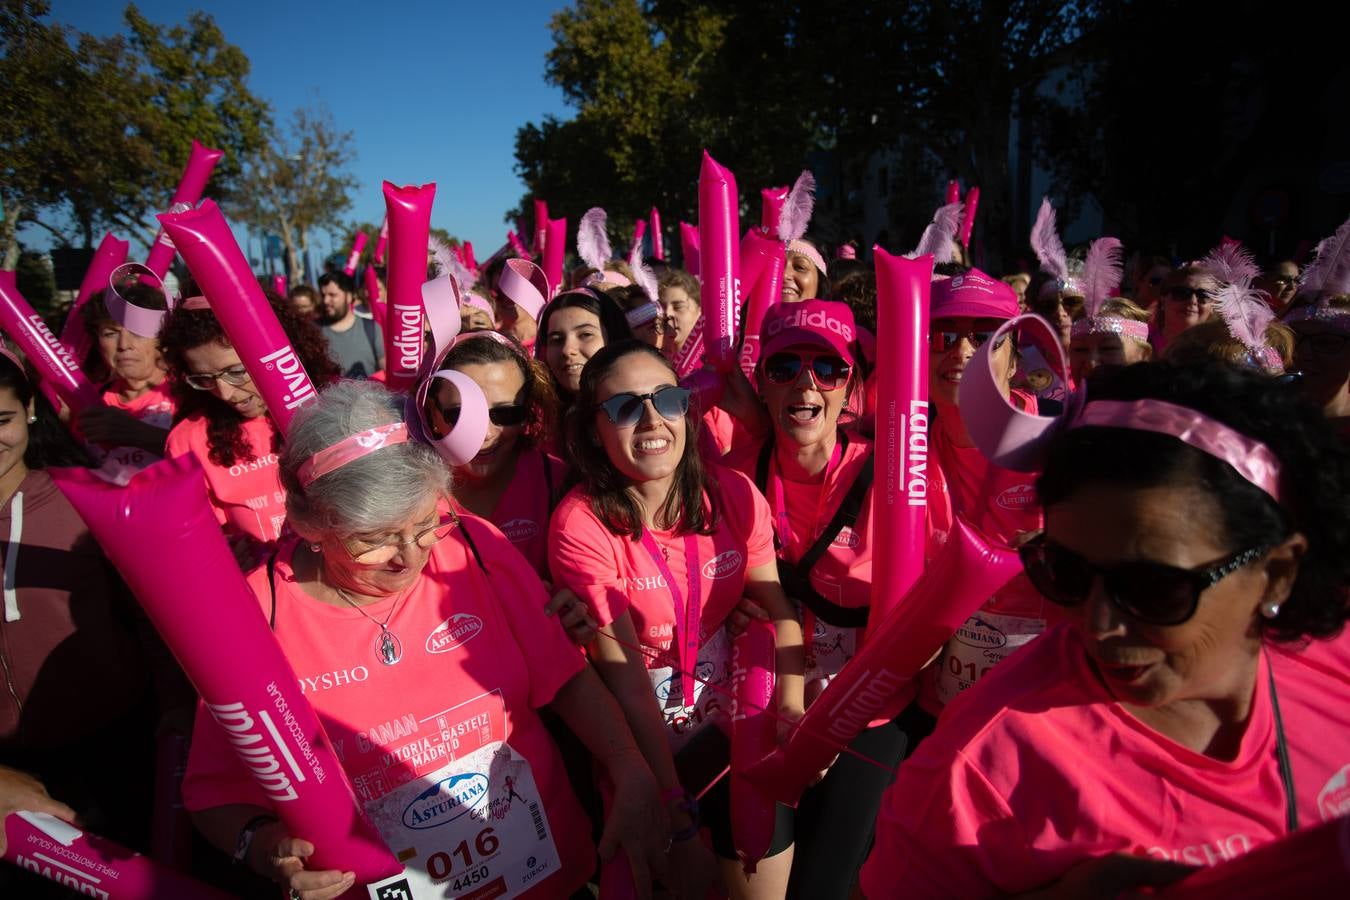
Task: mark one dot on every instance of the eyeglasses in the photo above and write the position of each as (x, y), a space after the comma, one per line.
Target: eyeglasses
(1324, 343)
(1153, 593)
(670, 402)
(1286, 280)
(829, 371)
(206, 381)
(1183, 294)
(942, 340)
(383, 551)
(501, 416)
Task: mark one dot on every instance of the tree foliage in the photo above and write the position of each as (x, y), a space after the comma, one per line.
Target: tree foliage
(94, 131)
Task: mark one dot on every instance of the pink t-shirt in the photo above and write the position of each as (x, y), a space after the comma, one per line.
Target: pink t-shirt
(1037, 769)
(522, 512)
(479, 656)
(843, 575)
(615, 574)
(247, 497)
(154, 407)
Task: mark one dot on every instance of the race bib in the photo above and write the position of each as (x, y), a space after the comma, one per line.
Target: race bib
(829, 648)
(685, 719)
(979, 645)
(475, 828)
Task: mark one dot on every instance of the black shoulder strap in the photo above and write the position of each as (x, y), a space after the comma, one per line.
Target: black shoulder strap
(272, 587)
(548, 484)
(762, 465)
(473, 548)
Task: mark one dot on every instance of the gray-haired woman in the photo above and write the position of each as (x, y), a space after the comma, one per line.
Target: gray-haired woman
(421, 639)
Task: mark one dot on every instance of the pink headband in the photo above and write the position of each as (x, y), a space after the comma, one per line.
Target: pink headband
(490, 335)
(642, 314)
(1070, 286)
(349, 450)
(1017, 440)
(1337, 317)
(807, 249)
(606, 277)
(478, 302)
(1110, 325)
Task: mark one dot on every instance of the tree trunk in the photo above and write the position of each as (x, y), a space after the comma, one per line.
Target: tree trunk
(9, 235)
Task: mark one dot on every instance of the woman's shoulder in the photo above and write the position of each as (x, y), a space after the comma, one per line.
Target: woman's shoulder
(185, 434)
(45, 508)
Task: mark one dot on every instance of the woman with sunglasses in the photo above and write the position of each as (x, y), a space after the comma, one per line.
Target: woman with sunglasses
(422, 643)
(1322, 355)
(223, 421)
(817, 476)
(572, 328)
(662, 548)
(1192, 705)
(513, 482)
(1188, 296)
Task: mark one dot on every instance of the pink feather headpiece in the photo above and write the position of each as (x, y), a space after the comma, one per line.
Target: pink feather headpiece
(938, 236)
(592, 239)
(1327, 276)
(1102, 274)
(795, 216)
(1244, 308)
(1049, 249)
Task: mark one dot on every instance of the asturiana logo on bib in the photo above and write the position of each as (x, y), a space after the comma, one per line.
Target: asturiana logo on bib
(723, 565)
(519, 530)
(1334, 800)
(846, 538)
(454, 633)
(1019, 496)
(447, 800)
(980, 634)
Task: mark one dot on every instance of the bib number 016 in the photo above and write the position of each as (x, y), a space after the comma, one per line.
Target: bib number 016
(440, 864)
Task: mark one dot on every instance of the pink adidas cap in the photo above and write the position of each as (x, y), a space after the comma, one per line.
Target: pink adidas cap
(825, 323)
(973, 295)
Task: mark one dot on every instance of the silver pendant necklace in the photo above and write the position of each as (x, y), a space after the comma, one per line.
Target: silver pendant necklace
(388, 648)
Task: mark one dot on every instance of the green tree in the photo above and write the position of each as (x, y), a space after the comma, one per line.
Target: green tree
(298, 183)
(94, 131)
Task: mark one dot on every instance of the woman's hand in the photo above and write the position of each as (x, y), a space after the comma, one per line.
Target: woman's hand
(739, 618)
(21, 791)
(280, 857)
(637, 824)
(575, 617)
(1113, 876)
(108, 425)
(693, 869)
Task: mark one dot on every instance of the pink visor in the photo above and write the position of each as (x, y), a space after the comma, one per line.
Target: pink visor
(1017, 440)
(136, 319)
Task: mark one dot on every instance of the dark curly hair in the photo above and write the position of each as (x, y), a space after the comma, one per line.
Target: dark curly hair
(1315, 477)
(539, 396)
(607, 489)
(184, 329)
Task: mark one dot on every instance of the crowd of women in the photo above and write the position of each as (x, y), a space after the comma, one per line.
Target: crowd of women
(1162, 685)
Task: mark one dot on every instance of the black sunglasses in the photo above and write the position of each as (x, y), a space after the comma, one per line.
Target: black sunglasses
(670, 402)
(942, 341)
(1153, 593)
(1183, 294)
(501, 416)
(829, 370)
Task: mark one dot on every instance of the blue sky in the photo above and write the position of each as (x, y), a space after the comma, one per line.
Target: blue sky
(432, 91)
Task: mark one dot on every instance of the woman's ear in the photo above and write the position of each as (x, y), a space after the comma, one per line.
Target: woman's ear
(1281, 567)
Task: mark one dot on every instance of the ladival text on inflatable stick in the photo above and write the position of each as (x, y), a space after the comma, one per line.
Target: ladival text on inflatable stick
(110, 254)
(765, 257)
(1303, 864)
(92, 866)
(771, 202)
(409, 214)
(719, 261)
(217, 264)
(201, 162)
(689, 248)
(541, 221)
(381, 242)
(754, 735)
(56, 365)
(968, 215)
(358, 245)
(953, 194)
(224, 644)
(900, 497)
(555, 247)
(876, 683)
(658, 242)
(690, 355)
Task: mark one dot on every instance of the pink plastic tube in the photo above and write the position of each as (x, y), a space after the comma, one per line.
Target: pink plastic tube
(953, 191)
(707, 386)
(358, 245)
(110, 254)
(968, 215)
(57, 366)
(689, 248)
(873, 685)
(771, 202)
(378, 311)
(208, 246)
(762, 260)
(517, 245)
(279, 286)
(409, 214)
(381, 242)
(555, 245)
(753, 736)
(658, 243)
(639, 232)
(469, 260)
(541, 224)
(900, 499)
(1302, 864)
(201, 162)
(719, 261)
(227, 650)
(92, 866)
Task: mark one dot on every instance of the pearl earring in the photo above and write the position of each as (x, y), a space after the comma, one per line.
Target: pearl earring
(1270, 609)
(32, 419)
